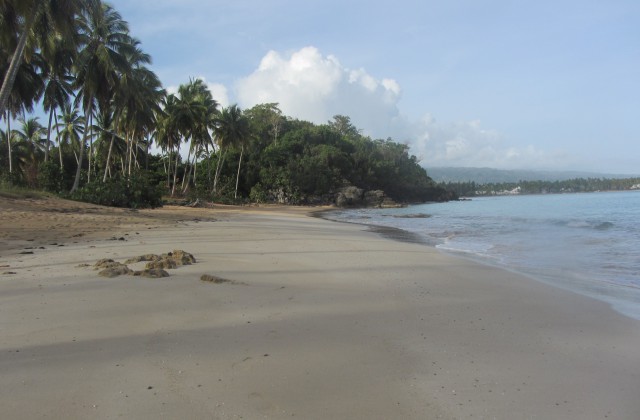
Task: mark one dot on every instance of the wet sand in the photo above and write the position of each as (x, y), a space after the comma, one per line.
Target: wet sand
(321, 320)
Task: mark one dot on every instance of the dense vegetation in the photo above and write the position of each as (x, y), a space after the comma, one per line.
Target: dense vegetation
(107, 111)
(472, 189)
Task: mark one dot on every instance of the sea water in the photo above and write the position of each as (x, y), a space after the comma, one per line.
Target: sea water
(588, 243)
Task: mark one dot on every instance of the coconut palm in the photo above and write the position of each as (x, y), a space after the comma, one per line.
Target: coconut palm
(22, 17)
(138, 100)
(70, 129)
(167, 135)
(203, 123)
(29, 147)
(110, 145)
(232, 129)
(104, 42)
(26, 90)
(184, 111)
(59, 55)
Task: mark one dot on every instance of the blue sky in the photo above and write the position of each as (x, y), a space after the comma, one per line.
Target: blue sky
(506, 84)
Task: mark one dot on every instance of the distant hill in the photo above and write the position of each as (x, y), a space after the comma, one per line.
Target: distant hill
(489, 175)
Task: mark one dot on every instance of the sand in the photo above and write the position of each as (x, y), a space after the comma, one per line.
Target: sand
(315, 320)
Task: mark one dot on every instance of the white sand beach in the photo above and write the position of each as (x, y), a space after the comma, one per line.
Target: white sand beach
(320, 320)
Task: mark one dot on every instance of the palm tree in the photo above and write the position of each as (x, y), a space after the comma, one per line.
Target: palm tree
(70, 129)
(203, 123)
(185, 113)
(232, 129)
(104, 40)
(167, 135)
(29, 143)
(23, 16)
(59, 57)
(110, 145)
(25, 92)
(138, 100)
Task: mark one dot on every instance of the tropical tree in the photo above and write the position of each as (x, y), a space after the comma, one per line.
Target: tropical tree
(58, 53)
(167, 135)
(20, 17)
(25, 92)
(70, 128)
(201, 129)
(232, 129)
(29, 147)
(104, 42)
(136, 102)
(186, 113)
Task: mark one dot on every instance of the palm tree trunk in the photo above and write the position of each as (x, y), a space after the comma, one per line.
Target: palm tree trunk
(238, 174)
(16, 59)
(9, 142)
(89, 110)
(191, 172)
(132, 155)
(167, 168)
(175, 169)
(218, 170)
(146, 157)
(195, 168)
(106, 167)
(55, 118)
(187, 170)
(90, 149)
(46, 150)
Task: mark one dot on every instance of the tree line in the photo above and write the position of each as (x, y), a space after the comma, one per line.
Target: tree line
(114, 135)
(473, 189)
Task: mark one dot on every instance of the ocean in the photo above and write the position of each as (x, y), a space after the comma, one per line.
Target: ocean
(588, 243)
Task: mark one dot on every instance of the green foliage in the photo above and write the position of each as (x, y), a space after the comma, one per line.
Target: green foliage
(473, 189)
(51, 177)
(10, 180)
(137, 191)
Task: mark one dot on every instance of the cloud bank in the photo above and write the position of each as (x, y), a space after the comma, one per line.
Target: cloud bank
(310, 86)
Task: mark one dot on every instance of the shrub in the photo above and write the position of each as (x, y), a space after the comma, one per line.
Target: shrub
(51, 177)
(137, 191)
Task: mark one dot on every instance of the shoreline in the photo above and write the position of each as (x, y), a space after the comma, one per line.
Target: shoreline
(625, 307)
(322, 320)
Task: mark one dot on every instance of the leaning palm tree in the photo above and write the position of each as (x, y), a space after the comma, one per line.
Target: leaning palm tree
(204, 122)
(21, 17)
(232, 129)
(59, 55)
(25, 92)
(138, 100)
(104, 40)
(184, 112)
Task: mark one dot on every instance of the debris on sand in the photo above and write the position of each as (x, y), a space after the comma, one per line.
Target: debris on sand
(147, 257)
(214, 279)
(152, 273)
(163, 263)
(155, 267)
(181, 257)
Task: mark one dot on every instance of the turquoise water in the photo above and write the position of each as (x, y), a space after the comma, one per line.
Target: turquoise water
(588, 243)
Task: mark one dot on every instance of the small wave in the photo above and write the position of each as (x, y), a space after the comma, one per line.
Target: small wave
(604, 226)
(412, 216)
(584, 224)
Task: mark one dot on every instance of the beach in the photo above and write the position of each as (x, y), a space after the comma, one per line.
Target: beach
(314, 320)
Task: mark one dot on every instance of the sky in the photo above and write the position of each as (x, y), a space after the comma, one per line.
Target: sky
(546, 84)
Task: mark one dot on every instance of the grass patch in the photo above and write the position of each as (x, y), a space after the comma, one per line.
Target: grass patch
(17, 193)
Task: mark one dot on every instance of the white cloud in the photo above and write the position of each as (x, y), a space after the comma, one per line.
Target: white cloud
(469, 144)
(219, 93)
(310, 86)
(313, 87)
